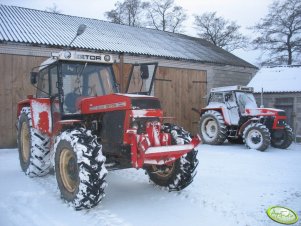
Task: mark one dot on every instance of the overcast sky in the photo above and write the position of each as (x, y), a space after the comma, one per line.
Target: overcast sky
(245, 12)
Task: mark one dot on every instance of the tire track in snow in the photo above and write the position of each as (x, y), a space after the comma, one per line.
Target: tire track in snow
(93, 217)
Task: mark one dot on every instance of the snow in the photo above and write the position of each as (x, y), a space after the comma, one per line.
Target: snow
(234, 186)
(277, 79)
(37, 109)
(134, 95)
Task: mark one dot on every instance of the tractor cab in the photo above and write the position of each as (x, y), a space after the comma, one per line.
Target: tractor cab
(70, 76)
(234, 100)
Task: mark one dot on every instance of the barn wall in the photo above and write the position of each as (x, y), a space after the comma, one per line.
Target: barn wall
(14, 86)
(291, 103)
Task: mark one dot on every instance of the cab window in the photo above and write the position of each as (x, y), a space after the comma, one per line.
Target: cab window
(43, 84)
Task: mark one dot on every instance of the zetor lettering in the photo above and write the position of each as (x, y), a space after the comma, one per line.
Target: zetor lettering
(89, 57)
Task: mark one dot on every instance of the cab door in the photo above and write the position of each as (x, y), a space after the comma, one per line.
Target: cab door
(232, 108)
(54, 95)
(141, 79)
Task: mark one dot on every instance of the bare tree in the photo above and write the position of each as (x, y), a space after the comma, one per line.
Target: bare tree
(279, 33)
(165, 15)
(127, 12)
(220, 32)
(53, 9)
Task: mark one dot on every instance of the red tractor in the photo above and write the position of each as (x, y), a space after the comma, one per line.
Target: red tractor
(80, 125)
(232, 114)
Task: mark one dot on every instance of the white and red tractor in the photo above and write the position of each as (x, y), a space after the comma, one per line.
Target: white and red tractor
(232, 114)
(79, 124)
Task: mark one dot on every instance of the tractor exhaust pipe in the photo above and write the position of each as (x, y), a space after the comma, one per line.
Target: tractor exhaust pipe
(261, 99)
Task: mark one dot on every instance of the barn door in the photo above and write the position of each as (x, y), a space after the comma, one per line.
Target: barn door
(180, 90)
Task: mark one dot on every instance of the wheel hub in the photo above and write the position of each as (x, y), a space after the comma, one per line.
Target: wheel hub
(164, 170)
(25, 144)
(69, 169)
(254, 138)
(211, 128)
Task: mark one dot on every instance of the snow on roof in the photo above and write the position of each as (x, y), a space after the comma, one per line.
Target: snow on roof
(277, 79)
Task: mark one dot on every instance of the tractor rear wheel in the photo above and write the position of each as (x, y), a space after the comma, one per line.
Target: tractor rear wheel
(79, 168)
(33, 146)
(212, 128)
(257, 136)
(179, 174)
(282, 138)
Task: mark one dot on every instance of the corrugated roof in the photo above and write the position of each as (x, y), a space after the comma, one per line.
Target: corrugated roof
(277, 79)
(37, 27)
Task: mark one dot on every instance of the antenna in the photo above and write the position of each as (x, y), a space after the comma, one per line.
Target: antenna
(261, 98)
(81, 29)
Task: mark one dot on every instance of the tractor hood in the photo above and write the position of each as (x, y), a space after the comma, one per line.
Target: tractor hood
(264, 112)
(117, 102)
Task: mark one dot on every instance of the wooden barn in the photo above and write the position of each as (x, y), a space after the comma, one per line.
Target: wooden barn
(188, 66)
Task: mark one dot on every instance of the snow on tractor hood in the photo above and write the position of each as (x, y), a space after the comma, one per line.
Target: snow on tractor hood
(114, 102)
(264, 112)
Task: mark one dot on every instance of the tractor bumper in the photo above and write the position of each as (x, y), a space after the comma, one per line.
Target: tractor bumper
(161, 155)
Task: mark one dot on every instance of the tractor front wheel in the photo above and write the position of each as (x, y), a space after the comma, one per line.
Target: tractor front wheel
(257, 136)
(282, 138)
(212, 128)
(33, 146)
(80, 169)
(179, 174)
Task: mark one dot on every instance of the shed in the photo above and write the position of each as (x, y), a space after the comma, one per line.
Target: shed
(281, 87)
(188, 66)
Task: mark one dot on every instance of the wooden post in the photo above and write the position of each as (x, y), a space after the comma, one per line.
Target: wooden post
(121, 76)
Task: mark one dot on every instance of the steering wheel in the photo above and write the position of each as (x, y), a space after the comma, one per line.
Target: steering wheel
(79, 90)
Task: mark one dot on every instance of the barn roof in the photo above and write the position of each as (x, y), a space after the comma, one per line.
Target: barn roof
(277, 79)
(35, 27)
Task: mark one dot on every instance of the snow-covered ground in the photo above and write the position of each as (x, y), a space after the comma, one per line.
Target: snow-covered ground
(234, 186)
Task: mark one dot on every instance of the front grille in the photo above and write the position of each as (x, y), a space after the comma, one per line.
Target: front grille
(281, 123)
(142, 123)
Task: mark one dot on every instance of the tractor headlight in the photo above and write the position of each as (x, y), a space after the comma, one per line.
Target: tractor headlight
(67, 54)
(107, 58)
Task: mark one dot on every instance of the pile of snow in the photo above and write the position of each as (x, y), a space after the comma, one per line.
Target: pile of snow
(234, 186)
(277, 79)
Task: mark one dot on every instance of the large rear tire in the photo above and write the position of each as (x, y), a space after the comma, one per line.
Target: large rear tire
(257, 136)
(80, 168)
(33, 147)
(282, 138)
(180, 173)
(212, 128)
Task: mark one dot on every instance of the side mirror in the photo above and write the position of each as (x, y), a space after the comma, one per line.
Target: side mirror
(144, 72)
(81, 29)
(33, 77)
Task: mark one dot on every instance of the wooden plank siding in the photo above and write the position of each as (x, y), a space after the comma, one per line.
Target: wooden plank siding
(178, 90)
(14, 86)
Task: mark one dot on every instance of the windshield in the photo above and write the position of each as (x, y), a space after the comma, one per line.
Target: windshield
(245, 100)
(85, 80)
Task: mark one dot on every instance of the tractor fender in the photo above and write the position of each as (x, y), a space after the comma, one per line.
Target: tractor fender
(40, 113)
(220, 110)
(22, 104)
(243, 126)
